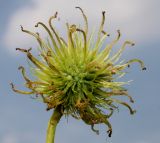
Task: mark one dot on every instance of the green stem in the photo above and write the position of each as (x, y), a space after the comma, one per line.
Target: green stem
(55, 118)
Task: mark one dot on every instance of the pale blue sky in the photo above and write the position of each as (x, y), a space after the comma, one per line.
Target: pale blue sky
(24, 120)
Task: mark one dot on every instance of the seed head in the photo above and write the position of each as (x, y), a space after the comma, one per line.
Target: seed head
(78, 75)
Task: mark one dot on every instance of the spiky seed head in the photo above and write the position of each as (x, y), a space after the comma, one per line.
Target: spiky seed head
(78, 75)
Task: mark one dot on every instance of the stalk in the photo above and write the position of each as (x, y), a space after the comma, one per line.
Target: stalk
(52, 124)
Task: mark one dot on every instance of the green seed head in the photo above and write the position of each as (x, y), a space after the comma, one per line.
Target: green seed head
(78, 75)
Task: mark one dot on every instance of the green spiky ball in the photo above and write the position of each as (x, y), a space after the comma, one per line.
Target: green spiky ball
(78, 76)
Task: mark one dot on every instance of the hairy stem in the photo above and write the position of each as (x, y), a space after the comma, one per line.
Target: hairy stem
(55, 118)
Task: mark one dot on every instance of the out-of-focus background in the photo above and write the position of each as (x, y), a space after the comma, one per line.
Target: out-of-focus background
(24, 120)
